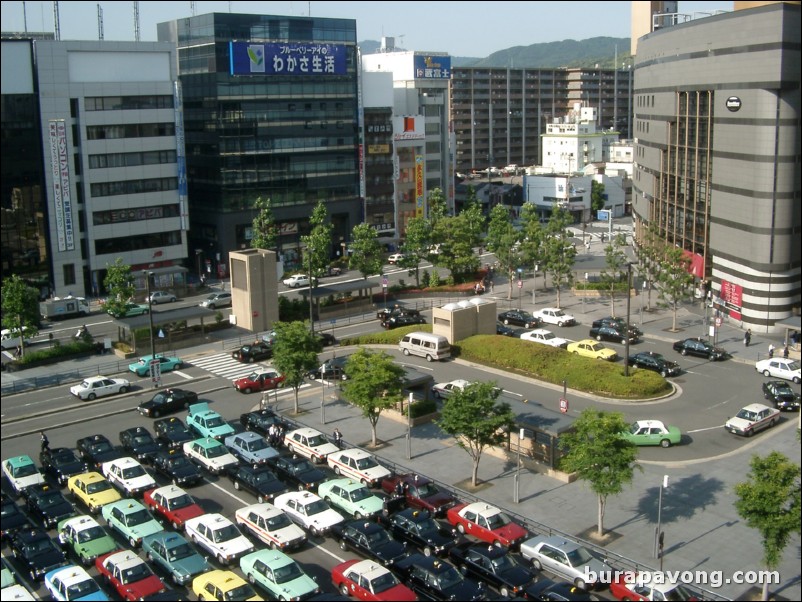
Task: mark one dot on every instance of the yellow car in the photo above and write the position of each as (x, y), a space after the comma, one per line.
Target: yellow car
(92, 490)
(593, 349)
(223, 585)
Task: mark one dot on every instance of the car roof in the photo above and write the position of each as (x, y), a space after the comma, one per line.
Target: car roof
(559, 542)
(650, 423)
(368, 569)
(125, 461)
(305, 431)
(355, 452)
(756, 407)
(169, 491)
(482, 508)
(207, 442)
(345, 483)
(93, 379)
(18, 461)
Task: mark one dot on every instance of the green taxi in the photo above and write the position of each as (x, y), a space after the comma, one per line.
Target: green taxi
(352, 497)
(278, 574)
(175, 555)
(208, 423)
(85, 538)
(131, 519)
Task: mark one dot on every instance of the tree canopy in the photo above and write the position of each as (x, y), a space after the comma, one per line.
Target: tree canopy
(264, 228)
(366, 254)
(294, 354)
(20, 303)
(119, 283)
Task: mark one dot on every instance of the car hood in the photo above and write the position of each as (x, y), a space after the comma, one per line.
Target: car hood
(191, 565)
(391, 551)
(71, 468)
(184, 514)
(60, 511)
(145, 529)
(326, 519)
(263, 454)
(51, 557)
(517, 576)
(439, 500)
(511, 532)
(465, 590)
(271, 487)
(739, 423)
(98, 547)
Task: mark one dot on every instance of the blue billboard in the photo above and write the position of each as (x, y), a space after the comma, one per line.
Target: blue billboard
(432, 67)
(287, 58)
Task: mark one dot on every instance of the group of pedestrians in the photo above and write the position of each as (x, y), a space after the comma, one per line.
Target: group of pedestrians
(275, 435)
(772, 348)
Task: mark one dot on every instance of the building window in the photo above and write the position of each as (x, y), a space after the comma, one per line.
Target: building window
(68, 269)
(102, 189)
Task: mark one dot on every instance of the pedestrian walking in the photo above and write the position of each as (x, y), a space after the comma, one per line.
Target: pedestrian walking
(45, 442)
(785, 352)
(338, 438)
(771, 350)
(747, 337)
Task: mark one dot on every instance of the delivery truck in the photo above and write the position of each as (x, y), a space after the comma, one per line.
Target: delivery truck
(68, 307)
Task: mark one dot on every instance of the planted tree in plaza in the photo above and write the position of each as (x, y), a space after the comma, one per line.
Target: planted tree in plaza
(596, 195)
(366, 255)
(460, 234)
(616, 262)
(20, 303)
(436, 214)
(119, 283)
(294, 354)
(769, 501)
(533, 237)
(375, 383)
(317, 251)
(673, 279)
(597, 453)
(475, 418)
(559, 252)
(264, 230)
(416, 246)
(650, 248)
(504, 241)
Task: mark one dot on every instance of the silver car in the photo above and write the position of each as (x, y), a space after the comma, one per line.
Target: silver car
(565, 558)
(216, 300)
(157, 297)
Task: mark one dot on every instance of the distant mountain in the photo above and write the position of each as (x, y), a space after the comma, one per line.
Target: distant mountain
(567, 53)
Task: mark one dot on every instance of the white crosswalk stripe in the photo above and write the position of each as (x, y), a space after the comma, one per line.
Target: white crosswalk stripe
(222, 364)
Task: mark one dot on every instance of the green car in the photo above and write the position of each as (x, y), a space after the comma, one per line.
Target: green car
(653, 432)
(131, 519)
(175, 555)
(352, 497)
(85, 538)
(166, 364)
(208, 423)
(278, 574)
(130, 310)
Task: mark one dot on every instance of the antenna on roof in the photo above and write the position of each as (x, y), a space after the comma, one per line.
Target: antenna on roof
(99, 22)
(136, 21)
(56, 22)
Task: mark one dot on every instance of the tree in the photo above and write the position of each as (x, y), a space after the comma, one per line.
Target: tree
(20, 303)
(616, 264)
(375, 383)
(119, 283)
(457, 237)
(294, 354)
(317, 251)
(437, 213)
(597, 199)
(416, 246)
(673, 279)
(367, 256)
(533, 236)
(264, 229)
(769, 501)
(474, 418)
(650, 249)
(598, 454)
(559, 252)
(504, 241)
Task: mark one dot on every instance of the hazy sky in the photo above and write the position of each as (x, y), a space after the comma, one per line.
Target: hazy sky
(470, 29)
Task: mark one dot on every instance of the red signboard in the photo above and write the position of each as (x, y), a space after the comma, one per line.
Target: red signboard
(732, 295)
(563, 405)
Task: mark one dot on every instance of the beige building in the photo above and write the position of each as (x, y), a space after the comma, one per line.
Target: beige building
(254, 289)
(457, 321)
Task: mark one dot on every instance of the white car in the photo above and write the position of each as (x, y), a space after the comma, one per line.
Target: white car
(71, 583)
(752, 418)
(218, 536)
(546, 337)
(157, 297)
(443, 390)
(309, 443)
(99, 386)
(554, 315)
(395, 258)
(271, 526)
(128, 475)
(10, 339)
(359, 465)
(296, 280)
(21, 473)
(780, 368)
(309, 511)
(211, 454)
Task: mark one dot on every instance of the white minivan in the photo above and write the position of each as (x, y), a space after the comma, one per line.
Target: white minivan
(431, 346)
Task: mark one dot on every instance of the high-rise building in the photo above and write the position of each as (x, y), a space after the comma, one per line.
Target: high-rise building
(717, 122)
(648, 15)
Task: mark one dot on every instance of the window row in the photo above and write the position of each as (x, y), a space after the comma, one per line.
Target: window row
(131, 130)
(102, 189)
(136, 214)
(124, 103)
(132, 159)
(108, 246)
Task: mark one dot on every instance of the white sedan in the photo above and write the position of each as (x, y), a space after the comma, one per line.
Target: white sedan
(443, 390)
(218, 536)
(309, 511)
(271, 526)
(296, 280)
(99, 386)
(546, 337)
(128, 476)
(780, 368)
(309, 443)
(71, 583)
(554, 315)
(359, 465)
(395, 258)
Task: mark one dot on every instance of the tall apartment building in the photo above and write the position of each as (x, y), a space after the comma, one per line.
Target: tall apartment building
(645, 15)
(109, 123)
(717, 121)
(499, 114)
(271, 111)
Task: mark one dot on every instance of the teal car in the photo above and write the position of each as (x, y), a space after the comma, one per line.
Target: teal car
(175, 555)
(131, 519)
(208, 423)
(278, 574)
(166, 364)
(130, 310)
(653, 432)
(85, 538)
(352, 497)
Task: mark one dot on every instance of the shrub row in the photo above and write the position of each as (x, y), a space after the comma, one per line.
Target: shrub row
(58, 350)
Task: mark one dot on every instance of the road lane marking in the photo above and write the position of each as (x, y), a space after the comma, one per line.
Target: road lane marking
(182, 374)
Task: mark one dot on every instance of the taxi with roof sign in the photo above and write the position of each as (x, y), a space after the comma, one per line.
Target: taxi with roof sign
(172, 505)
(85, 538)
(93, 490)
(271, 526)
(131, 519)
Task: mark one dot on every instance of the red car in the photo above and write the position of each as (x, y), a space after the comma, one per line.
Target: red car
(172, 505)
(656, 587)
(129, 575)
(368, 580)
(261, 380)
(487, 523)
(420, 493)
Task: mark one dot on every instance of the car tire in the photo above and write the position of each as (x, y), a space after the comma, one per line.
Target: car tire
(665, 443)
(598, 337)
(461, 528)
(796, 380)
(344, 590)
(132, 542)
(580, 583)
(684, 352)
(343, 545)
(175, 525)
(314, 531)
(91, 397)
(290, 448)
(246, 390)
(358, 515)
(251, 579)
(766, 373)
(337, 471)
(506, 322)
(429, 358)
(663, 373)
(221, 560)
(236, 485)
(123, 390)
(537, 565)
(260, 499)
(406, 351)
(504, 591)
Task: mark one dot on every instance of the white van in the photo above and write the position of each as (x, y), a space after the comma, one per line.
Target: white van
(431, 346)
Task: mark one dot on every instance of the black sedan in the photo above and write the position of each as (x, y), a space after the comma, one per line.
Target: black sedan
(614, 333)
(654, 361)
(399, 321)
(60, 463)
(492, 565)
(386, 313)
(172, 432)
(505, 331)
(138, 443)
(176, 467)
(260, 421)
(557, 591)
(13, 518)
(298, 472)
(258, 480)
(48, 505)
(619, 323)
(519, 318)
(783, 396)
(434, 579)
(254, 352)
(96, 449)
(420, 530)
(334, 369)
(37, 553)
(700, 348)
(369, 539)
(166, 401)
(325, 339)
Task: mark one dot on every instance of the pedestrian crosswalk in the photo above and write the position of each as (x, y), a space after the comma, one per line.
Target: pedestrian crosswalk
(222, 364)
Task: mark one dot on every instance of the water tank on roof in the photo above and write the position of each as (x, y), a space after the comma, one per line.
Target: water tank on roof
(464, 304)
(478, 301)
(450, 306)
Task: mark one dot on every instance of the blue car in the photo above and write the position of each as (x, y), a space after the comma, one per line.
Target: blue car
(175, 555)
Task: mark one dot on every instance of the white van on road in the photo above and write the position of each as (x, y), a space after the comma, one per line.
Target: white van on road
(424, 344)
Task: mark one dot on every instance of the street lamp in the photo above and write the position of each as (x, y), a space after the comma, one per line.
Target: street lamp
(309, 273)
(155, 372)
(658, 536)
(323, 394)
(409, 426)
(516, 496)
(641, 302)
(626, 333)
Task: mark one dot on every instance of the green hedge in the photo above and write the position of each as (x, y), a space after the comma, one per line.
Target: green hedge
(385, 337)
(58, 350)
(422, 408)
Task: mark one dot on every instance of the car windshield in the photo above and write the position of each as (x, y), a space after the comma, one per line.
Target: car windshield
(449, 578)
(136, 573)
(214, 422)
(63, 458)
(383, 583)
(39, 546)
(503, 563)
(794, 366)
(51, 499)
(25, 470)
(140, 517)
(211, 297)
(378, 537)
(216, 451)
(316, 507)
(263, 477)
(81, 589)
(179, 462)
(180, 551)
(579, 557)
(133, 472)
(172, 427)
(179, 501)
(634, 428)
(427, 490)
(559, 312)
(257, 445)
(91, 534)
(299, 467)
(243, 592)
(427, 526)
(143, 440)
(678, 594)
(279, 521)
(316, 441)
(101, 448)
(366, 463)
(225, 534)
(548, 335)
(357, 495)
(98, 487)
(746, 415)
(252, 375)
(287, 573)
(496, 521)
